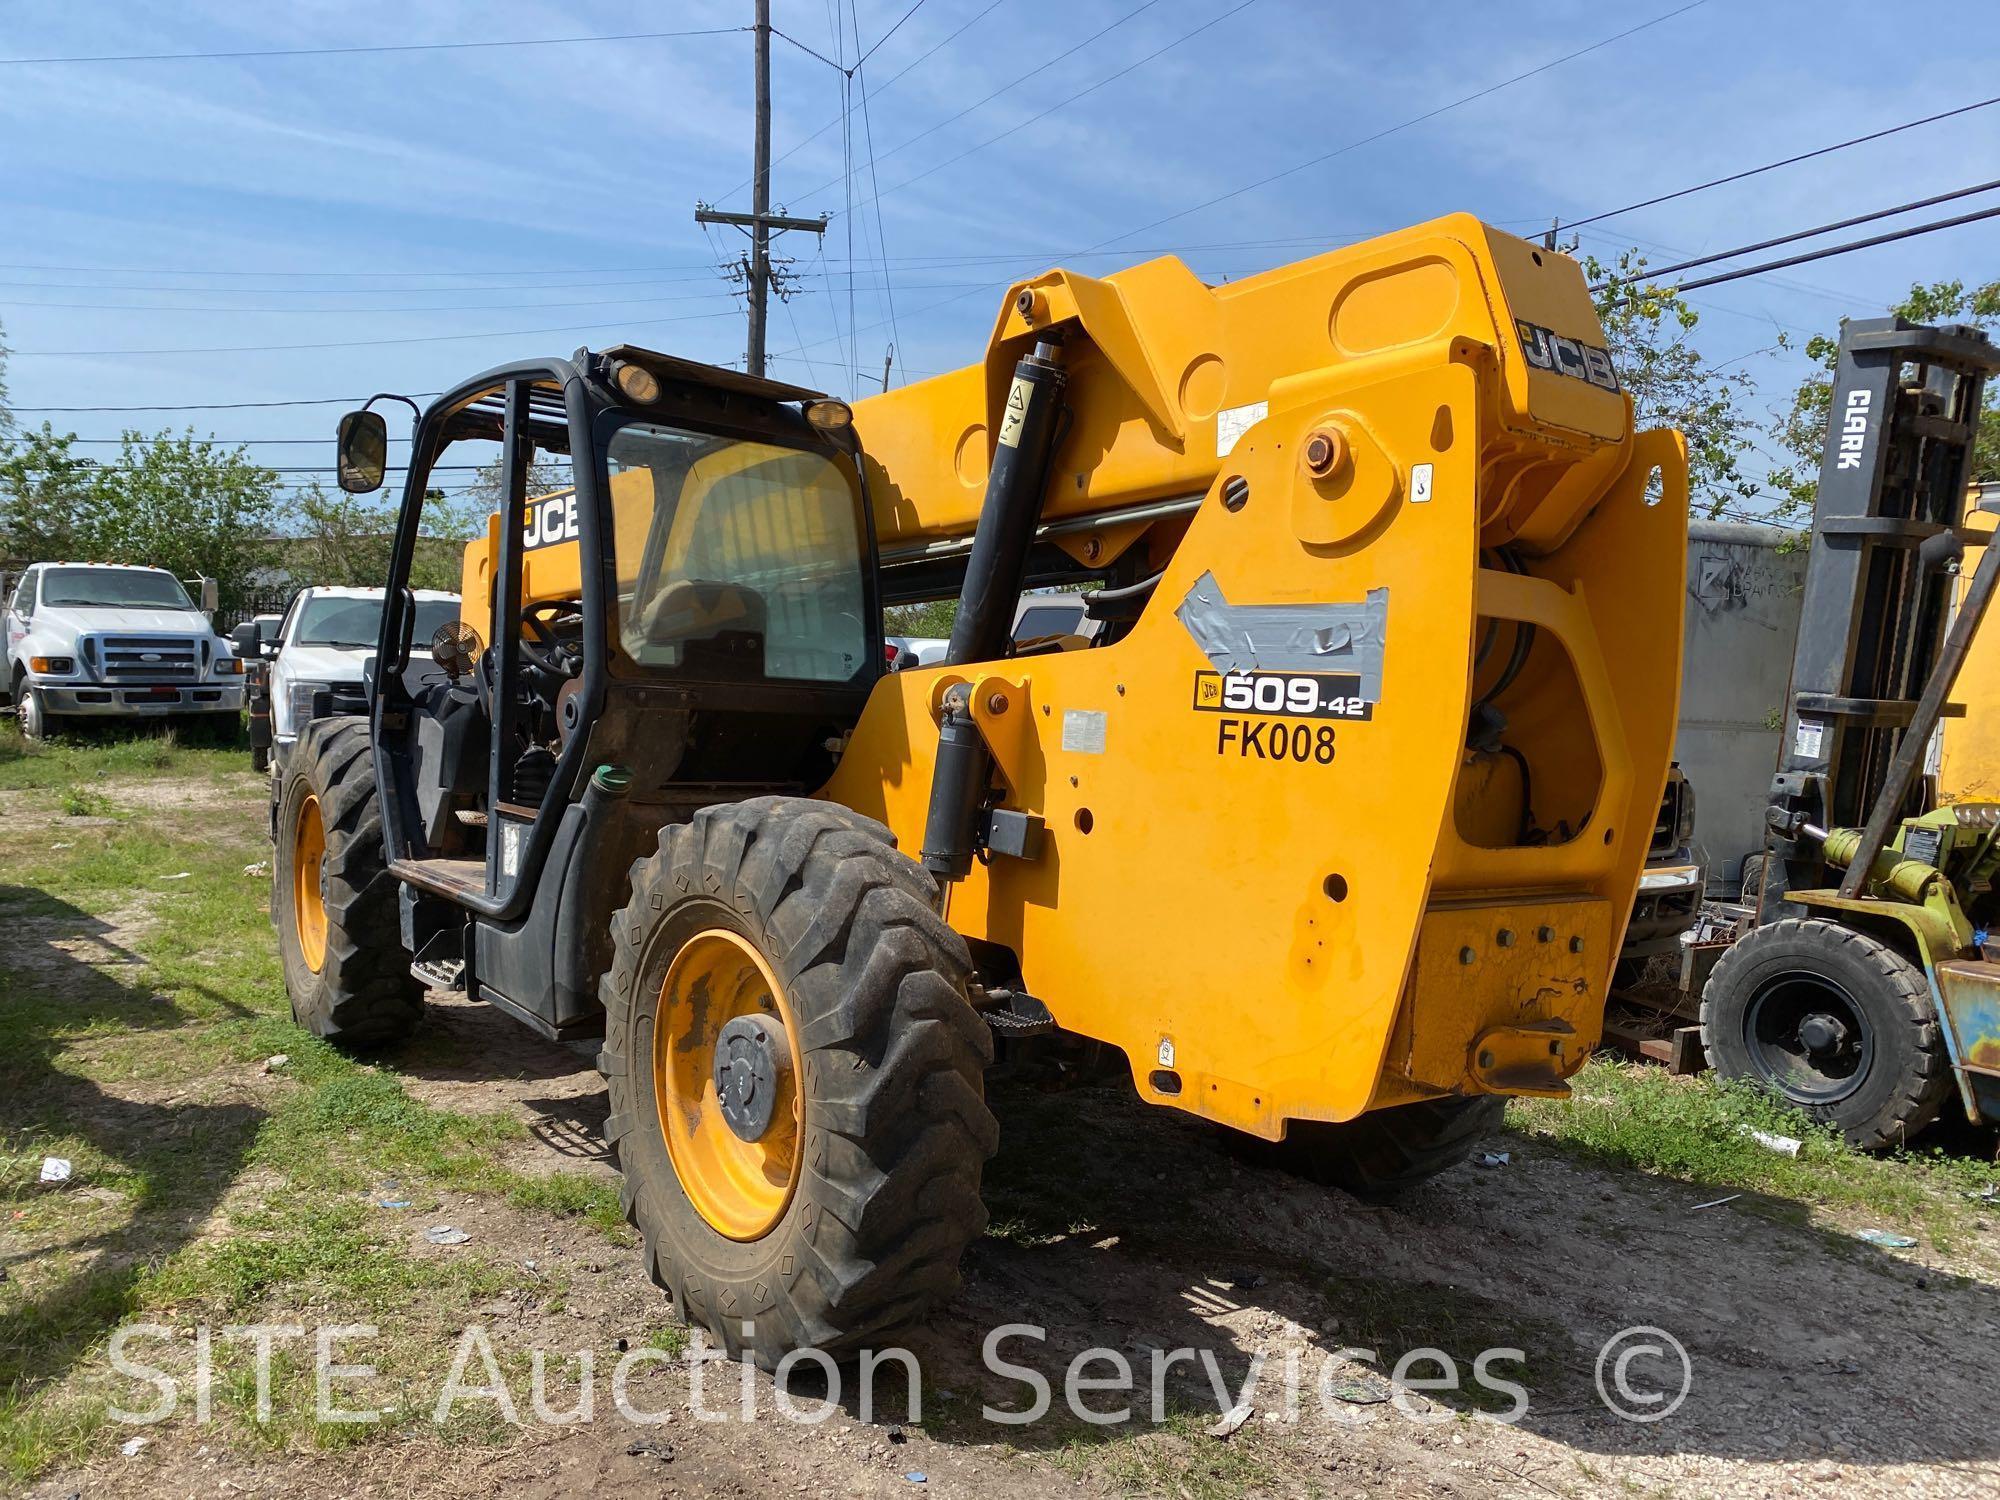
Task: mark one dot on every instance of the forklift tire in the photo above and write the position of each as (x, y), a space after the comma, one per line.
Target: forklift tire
(332, 896)
(1386, 1151)
(1835, 1022)
(796, 1078)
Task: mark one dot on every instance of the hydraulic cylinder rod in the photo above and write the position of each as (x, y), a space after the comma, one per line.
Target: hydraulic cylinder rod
(1030, 425)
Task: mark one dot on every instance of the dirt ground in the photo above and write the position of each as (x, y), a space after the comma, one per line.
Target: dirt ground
(1819, 1365)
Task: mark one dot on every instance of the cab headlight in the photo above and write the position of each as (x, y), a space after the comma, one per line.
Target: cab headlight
(54, 666)
(1684, 816)
(300, 702)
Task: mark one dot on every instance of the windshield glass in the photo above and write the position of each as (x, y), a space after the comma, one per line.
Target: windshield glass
(113, 588)
(358, 622)
(737, 559)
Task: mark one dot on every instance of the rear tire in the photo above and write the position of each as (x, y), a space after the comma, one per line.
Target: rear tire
(1833, 1021)
(1386, 1151)
(884, 1109)
(345, 967)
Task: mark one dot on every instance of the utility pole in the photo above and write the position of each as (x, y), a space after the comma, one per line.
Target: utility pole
(760, 222)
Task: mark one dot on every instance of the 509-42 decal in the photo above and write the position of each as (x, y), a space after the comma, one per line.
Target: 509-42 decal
(1306, 695)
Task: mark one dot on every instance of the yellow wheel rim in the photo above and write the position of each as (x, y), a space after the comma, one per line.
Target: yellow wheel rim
(737, 1157)
(308, 905)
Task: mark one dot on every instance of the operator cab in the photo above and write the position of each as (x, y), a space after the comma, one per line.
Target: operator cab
(682, 611)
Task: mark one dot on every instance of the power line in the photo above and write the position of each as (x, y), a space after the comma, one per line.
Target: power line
(1772, 166)
(329, 275)
(809, 51)
(841, 118)
(339, 291)
(884, 36)
(545, 41)
(874, 183)
(981, 103)
(1652, 274)
(351, 311)
(1429, 114)
(426, 338)
(1844, 249)
(1061, 104)
(211, 405)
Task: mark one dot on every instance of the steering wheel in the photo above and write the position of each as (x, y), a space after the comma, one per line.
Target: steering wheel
(542, 646)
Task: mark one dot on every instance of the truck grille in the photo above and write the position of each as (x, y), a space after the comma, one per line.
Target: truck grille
(161, 657)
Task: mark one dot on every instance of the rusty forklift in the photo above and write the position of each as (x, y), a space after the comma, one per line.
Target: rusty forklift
(1330, 835)
(1866, 993)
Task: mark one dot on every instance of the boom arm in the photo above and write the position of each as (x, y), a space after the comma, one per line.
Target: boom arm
(1354, 812)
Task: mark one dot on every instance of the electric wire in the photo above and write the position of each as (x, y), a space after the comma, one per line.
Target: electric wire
(542, 41)
(1414, 120)
(1772, 166)
(1041, 67)
(1652, 274)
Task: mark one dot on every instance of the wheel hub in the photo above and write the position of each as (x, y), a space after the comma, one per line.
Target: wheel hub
(752, 1062)
(726, 1077)
(1808, 1038)
(1822, 1034)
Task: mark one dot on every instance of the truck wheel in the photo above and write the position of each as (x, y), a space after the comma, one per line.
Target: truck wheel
(1832, 1021)
(1384, 1152)
(796, 1078)
(333, 898)
(37, 723)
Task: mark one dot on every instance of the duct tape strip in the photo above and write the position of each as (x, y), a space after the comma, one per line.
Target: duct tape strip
(1330, 637)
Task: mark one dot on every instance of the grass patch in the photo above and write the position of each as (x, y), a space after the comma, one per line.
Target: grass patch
(82, 802)
(139, 752)
(1697, 1130)
(142, 992)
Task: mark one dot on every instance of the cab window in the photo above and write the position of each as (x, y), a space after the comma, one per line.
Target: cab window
(737, 559)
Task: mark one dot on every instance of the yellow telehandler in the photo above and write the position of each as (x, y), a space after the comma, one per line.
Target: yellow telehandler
(1331, 833)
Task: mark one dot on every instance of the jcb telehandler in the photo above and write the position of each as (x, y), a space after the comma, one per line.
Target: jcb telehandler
(1331, 834)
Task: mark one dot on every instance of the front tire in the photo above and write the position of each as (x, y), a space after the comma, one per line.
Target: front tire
(1386, 1151)
(1833, 1021)
(37, 723)
(796, 1078)
(333, 898)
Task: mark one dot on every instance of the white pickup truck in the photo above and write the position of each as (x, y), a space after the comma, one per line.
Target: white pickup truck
(316, 657)
(105, 640)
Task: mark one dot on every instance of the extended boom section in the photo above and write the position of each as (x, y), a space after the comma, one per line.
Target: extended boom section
(1349, 811)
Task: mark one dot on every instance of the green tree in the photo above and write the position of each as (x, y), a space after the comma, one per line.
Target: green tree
(345, 540)
(446, 526)
(341, 540)
(6, 415)
(190, 506)
(176, 502)
(1672, 384)
(1801, 428)
(48, 497)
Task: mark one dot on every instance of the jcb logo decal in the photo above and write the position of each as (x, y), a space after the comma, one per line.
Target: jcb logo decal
(1548, 350)
(551, 521)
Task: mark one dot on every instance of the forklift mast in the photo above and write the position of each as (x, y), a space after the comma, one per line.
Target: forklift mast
(1902, 420)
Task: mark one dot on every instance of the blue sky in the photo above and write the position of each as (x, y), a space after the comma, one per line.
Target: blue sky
(439, 212)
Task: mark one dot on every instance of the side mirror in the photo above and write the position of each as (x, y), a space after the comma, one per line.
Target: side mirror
(211, 596)
(249, 639)
(363, 452)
